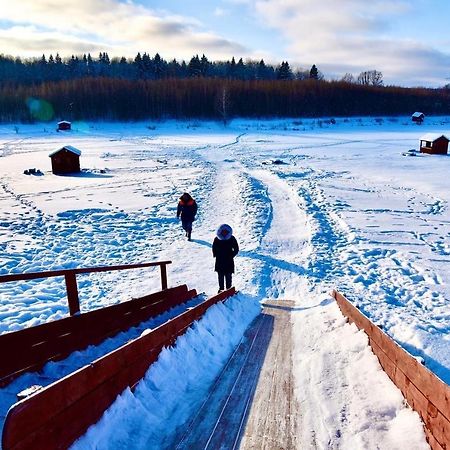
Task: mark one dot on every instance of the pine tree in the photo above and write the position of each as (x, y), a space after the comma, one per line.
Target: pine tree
(194, 67)
(314, 73)
(240, 70)
(284, 71)
(231, 68)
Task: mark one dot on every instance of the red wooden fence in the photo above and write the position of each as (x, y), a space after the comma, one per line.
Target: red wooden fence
(71, 281)
(422, 389)
(56, 416)
(29, 349)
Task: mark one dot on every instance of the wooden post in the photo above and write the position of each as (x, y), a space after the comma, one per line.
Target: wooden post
(72, 293)
(163, 276)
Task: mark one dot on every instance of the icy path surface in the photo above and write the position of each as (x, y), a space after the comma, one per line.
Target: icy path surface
(340, 208)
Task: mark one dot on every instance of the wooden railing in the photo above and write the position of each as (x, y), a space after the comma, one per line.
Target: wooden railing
(29, 349)
(54, 417)
(71, 280)
(423, 390)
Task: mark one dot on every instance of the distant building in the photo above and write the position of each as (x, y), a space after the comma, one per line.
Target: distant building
(418, 117)
(65, 160)
(433, 143)
(64, 125)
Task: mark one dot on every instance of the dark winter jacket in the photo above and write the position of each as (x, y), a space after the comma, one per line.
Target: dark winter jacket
(224, 250)
(187, 209)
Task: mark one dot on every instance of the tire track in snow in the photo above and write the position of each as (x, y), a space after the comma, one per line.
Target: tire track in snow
(284, 245)
(244, 199)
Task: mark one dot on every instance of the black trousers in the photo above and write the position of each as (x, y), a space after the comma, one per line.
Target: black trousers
(187, 225)
(224, 277)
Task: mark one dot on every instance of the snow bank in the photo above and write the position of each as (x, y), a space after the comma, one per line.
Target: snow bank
(346, 400)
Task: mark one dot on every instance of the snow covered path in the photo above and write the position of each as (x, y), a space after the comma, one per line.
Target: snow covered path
(340, 208)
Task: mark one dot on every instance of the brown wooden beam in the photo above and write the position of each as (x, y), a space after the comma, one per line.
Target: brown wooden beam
(163, 277)
(29, 349)
(72, 293)
(71, 282)
(63, 272)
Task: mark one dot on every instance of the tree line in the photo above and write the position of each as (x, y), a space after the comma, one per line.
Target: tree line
(14, 71)
(206, 97)
(142, 67)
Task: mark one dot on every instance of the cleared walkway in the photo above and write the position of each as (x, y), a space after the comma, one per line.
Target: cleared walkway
(251, 405)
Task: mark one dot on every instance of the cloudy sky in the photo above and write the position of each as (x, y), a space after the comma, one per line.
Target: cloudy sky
(407, 40)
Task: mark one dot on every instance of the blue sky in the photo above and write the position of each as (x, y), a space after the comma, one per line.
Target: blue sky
(408, 41)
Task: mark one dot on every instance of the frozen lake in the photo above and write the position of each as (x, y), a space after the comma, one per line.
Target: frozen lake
(314, 206)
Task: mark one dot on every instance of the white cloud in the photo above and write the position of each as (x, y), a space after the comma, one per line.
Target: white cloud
(16, 39)
(343, 34)
(121, 28)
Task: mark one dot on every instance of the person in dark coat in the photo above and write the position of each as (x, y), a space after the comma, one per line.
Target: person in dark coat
(187, 210)
(224, 248)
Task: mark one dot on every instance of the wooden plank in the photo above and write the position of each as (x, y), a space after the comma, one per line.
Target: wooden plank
(439, 427)
(251, 404)
(434, 444)
(72, 293)
(198, 433)
(387, 364)
(63, 429)
(44, 417)
(272, 420)
(433, 388)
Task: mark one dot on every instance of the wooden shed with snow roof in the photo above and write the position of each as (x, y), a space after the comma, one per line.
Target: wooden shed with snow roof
(64, 125)
(65, 160)
(434, 144)
(418, 117)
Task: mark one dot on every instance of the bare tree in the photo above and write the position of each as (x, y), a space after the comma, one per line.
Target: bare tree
(370, 78)
(348, 78)
(223, 104)
(301, 74)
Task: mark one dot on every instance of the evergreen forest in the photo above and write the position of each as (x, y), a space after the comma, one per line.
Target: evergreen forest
(87, 88)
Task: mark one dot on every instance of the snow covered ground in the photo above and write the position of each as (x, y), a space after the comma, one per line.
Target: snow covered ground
(314, 206)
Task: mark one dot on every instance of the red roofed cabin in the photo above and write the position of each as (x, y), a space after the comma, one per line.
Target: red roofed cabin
(65, 160)
(435, 144)
(64, 125)
(418, 117)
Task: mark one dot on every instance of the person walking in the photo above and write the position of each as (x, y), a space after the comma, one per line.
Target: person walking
(224, 249)
(187, 210)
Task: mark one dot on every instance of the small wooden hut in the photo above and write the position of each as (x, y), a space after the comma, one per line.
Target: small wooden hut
(65, 160)
(64, 125)
(434, 144)
(418, 117)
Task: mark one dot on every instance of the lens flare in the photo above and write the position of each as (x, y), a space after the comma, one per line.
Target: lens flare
(40, 109)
